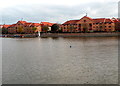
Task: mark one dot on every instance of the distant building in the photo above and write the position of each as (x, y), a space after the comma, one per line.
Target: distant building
(24, 27)
(27, 27)
(87, 24)
(45, 25)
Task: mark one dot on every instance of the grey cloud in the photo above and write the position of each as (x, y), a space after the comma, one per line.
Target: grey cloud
(56, 13)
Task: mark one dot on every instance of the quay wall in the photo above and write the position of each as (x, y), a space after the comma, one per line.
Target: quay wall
(62, 35)
(79, 34)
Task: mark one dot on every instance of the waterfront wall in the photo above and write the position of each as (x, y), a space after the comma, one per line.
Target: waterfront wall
(79, 34)
(62, 35)
(20, 35)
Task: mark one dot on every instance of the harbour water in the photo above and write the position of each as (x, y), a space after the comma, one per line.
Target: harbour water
(89, 60)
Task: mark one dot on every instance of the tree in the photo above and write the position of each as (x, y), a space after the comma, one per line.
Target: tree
(4, 30)
(55, 28)
(34, 29)
(45, 28)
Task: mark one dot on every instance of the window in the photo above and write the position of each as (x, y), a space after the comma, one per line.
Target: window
(96, 23)
(100, 26)
(84, 20)
(90, 25)
(109, 26)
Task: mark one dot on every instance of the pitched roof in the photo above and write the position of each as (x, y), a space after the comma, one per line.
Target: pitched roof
(12, 25)
(97, 20)
(47, 23)
(36, 24)
(23, 22)
(71, 22)
(86, 17)
(109, 20)
(102, 20)
(6, 26)
(27, 24)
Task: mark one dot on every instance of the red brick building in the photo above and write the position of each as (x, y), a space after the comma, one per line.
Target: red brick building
(24, 27)
(87, 24)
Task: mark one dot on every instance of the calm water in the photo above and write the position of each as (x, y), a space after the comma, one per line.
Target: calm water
(92, 60)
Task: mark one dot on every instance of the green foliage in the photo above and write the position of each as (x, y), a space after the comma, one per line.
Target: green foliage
(45, 28)
(34, 28)
(91, 31)
(55, 28)
(4, 30)
(60, 30)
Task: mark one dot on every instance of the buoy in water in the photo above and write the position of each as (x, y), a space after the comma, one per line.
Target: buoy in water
(70, 46)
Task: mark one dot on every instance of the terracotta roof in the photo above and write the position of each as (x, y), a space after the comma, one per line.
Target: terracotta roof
(97, 20)
(86, 17)
(109, 20)
(6, 26)
(47, 23)
(12, 25)
(36, 24)
(102, 20)
(23, 22)
(27, 24)
(71, 22)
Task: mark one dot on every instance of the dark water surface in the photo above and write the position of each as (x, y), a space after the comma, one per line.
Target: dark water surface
(90, 60)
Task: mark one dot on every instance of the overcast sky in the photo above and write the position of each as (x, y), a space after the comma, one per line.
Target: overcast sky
(56, 11)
